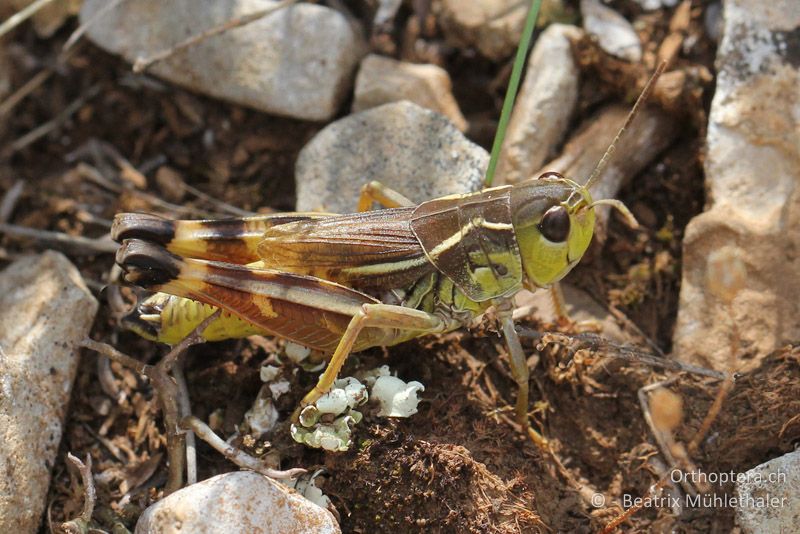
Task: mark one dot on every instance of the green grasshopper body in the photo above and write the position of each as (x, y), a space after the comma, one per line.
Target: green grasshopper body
(343, 283)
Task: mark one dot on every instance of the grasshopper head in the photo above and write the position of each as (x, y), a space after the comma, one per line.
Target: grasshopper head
(553, 219)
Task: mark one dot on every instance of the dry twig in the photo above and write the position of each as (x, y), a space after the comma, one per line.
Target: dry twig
(143, 63)
(22, 15)
(75, 245)
(10, 200)
(233, 454)
(44, 129)
(81, 523)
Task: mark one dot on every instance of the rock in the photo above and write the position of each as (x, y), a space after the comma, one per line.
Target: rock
(494, 27)
(769, 496)
(45, 311)
(413, 150)
(298, 62)
(614, 33)
(237, 502)
(652, 5)
(753, 182)
(543, 108)
(382, 80)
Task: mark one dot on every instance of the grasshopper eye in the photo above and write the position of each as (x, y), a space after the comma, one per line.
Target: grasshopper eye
(555, 224)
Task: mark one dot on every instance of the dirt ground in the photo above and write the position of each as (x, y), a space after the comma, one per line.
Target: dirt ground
(456, 466)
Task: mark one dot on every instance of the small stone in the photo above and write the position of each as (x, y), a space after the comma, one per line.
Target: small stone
(238, 502)
(614, 33)
(297, 62)
(170, 183)
(493, 27)
(753, 183)
(415, 151)
(769, 496)
(544, 106)
(652, 5)
(382, 80)
(45, 311)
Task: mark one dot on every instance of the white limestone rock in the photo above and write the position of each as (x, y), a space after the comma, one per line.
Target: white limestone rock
(298, 62)
(753, 182)
(413, 150)
(234, 503)
(382, 80)
(614, 33)
(544, 105)
(45, 312)
(769, 496)
(493, 27)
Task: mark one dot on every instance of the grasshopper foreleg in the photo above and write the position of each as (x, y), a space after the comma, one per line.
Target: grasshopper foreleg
(519, 369)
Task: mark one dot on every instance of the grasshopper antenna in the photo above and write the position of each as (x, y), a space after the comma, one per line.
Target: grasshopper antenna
(601, 166)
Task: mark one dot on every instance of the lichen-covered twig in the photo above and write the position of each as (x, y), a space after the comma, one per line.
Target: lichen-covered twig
(81, 523)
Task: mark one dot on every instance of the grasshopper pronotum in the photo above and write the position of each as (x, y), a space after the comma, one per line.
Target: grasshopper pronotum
(344, 283)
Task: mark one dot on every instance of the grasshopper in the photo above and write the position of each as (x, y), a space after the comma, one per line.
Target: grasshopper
(344, 283)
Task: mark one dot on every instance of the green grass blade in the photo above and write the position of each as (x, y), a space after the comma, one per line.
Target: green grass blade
(513, 86)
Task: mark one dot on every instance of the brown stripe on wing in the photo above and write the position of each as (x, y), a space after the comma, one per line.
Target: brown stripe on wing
(370, 250)
(229, 240)
(309, 311)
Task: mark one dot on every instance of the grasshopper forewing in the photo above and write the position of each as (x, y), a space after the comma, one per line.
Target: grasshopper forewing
(344, 283)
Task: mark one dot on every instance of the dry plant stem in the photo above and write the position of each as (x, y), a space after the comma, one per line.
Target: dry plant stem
(119, 357)
(624, 516)
(713, 412)
(22, 15)
(222, 207)
(168, 395)
(44, 129)
(81, 523)
(664, 439)
(143, 63)
(184, 404)
(106, 378)
(594, 342)
(94, 175)
(27, 88)
(10, 200)
(72, 244)
(233, 454)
